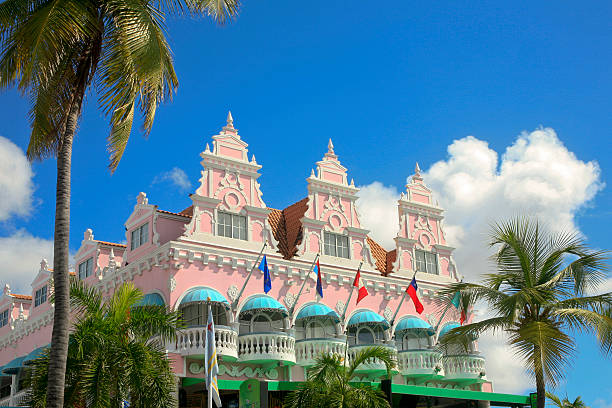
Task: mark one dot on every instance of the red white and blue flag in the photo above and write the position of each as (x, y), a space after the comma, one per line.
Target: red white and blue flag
(317, 269)
(412, 292)
(361, 289)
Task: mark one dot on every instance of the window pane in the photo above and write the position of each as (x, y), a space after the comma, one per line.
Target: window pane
(420, 261)
(135, 241)
(144, 233)
(365, 336)
(89, 271)
(432, 263)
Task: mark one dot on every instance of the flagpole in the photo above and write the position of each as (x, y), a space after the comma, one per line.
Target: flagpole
(400, 303)
(235, 302)
(208, 368)
(442, 316)
(350, 295)
(303, 284)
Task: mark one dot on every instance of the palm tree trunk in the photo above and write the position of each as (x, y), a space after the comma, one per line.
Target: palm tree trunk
(539, 375)
(61, 277)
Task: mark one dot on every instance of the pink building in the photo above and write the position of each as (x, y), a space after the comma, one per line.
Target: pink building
(182, 258)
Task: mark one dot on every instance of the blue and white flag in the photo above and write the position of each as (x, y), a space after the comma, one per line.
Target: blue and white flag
(212, 369)
(263, 266)
(317, 269)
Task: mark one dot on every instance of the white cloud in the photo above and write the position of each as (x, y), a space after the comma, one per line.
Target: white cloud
(176, 176)
(21, 252)
(20, 256)
(537, 175)
(377, 208)
(15, 181)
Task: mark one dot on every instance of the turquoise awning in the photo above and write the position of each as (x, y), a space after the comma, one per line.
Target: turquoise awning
(201, 294)
(317, 310)
(367, 317)
(14, 366)
(263, 303)
(34, 354)
(448, 327)
(151, 299)
(413, 323)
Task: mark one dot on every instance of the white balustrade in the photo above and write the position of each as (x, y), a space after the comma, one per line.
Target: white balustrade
(464, 368)
(192, 342)
(307, 351)
(420, 363)
(17, 400)
(371, 365)
(261, 347)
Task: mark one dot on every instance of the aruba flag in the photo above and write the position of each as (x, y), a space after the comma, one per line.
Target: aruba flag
(412, 292)
(317, 269)
(263, 266)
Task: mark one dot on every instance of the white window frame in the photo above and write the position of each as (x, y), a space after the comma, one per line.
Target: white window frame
(139, 236)
(4, 317)
(86, 268)
(41, 296)
(332, 248)
(429, 263)
(233, 229)
(365, 328)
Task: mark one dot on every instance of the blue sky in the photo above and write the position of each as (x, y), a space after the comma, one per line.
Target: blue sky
(390, 84)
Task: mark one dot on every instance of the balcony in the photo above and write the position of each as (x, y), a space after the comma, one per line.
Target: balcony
(192, 342)
(307, 350)
(420, 364)
(266, 347)
(17, 400)
(372, 367)
(466, 369)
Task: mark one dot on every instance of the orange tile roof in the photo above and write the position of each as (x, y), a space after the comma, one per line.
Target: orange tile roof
(391, 257)
(181, 214)
(379, 254)
(111, 243)
(287, 227)
(21, 297)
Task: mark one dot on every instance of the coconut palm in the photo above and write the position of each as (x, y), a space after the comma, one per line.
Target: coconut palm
(565, 402)
(329, 383)
(54, 51)
(116, 352)
(544, 291)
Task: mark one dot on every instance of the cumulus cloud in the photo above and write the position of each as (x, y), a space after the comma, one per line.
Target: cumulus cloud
(20, 256)
(537, 175)
(176, 176)
(16, 185)
(20, 252)
(377, 208)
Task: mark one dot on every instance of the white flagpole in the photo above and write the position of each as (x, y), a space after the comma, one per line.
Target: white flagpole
(303, 284)
(350, 294)
(235, 302)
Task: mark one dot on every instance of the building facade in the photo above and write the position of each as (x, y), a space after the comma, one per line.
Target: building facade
(181, 259)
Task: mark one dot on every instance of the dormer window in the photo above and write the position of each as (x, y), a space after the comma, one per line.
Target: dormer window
(4, 318)
(335, 245)
(426, 261)
(41, 296)
(140, 236)
(231, 225)
(85, 269)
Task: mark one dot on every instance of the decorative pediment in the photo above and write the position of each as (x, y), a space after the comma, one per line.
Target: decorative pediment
(43, 274)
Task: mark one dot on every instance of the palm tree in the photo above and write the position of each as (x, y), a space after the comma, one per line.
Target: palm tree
(543, 290)
(329, 383)
(54, 50)
(116, 352)
(565, 403)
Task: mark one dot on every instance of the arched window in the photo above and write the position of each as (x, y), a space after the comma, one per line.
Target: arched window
(415, 341)
(365, 335)
(261, 322)
(196, 314)
(315, 330)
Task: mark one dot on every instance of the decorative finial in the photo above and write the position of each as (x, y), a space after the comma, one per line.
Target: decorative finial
(312, 174)
(417, 170)
(7, 289)
(330, 147)
(111, 259)
(207, 150)
(44, 265)
(230, 119)
(352, 183)
(253, 159)
(88, 234)
(142, 198)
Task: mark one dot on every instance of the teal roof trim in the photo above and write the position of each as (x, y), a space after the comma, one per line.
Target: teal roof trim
(263, 303)
(34, 354)
(367, 317)
(317, 310)
(413, 323)
(151, 299)
(448, 327)
(201, 294)
(14, 366)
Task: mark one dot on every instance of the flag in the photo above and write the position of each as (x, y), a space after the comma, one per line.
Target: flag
(210, 359)
(263, 266)
(456, 301)
(361, 289)
(317, 269)
(412, 292)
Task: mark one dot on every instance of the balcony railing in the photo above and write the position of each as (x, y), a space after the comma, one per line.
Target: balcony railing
(262, 347)
(192, 342)
(17, 400)
(420, 364)
(468, 368)
(371, 366)
(307, 350)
